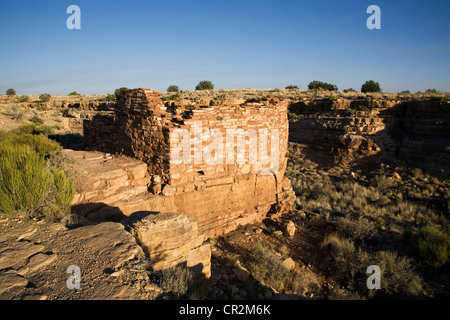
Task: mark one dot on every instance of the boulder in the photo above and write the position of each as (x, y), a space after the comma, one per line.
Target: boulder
(170, 239)
(289, 228)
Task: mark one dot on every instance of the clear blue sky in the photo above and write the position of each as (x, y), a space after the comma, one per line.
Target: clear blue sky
(235, 44)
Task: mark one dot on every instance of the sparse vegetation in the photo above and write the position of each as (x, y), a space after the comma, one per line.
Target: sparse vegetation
(24, 98)
(45, 97)
(10, 92)
(119, 91)
(391, 216)
(27, 181)
(205, 85)
(36, 119)
(267, 267)
(173, 88)
(176, 280)
(292, 86)
(314, 85)
(370, 86)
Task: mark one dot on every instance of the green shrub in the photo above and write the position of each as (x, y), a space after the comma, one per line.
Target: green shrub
(398, 277)
(173, 88)
(322, 85)
(24, 98)
(33, 129)
(292, 86)
(45, 97)
(63, 190)
(16, 113)
(25, 181)
(267, 267)
(382, 182)
(39, 143)
(74, 93)
(36, 119)
(431, 246)
(355, 229)
(370, 86)
(205, 85)
(10, 92)
(119, 91)
(174, 96)
(176, 280)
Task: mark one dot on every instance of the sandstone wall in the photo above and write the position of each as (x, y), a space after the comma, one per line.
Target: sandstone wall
(144, 128)
(220, 195)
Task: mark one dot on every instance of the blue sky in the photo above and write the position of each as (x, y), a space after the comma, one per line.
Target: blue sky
(235, 44)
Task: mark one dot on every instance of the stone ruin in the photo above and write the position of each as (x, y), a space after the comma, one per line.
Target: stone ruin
(219, 164)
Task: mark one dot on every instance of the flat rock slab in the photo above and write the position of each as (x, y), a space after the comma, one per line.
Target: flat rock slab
(34, 263)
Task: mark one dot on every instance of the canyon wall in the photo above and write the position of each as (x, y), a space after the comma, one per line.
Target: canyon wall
(364, 132)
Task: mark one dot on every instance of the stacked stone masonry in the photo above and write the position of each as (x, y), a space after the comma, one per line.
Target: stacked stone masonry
(221, 195)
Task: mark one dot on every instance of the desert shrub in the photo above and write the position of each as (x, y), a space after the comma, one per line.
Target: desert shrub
(24, 98)
(355, 229)
(382, 182)
(398, 276)
(292, 116)
(45, 97)
(10, 92)
(119, 91)
(176, 280)
(60, 161)
(173, 88)
(349, 90)
(174, 96)
(370, 86)
(431, 246)
(416, 173)
(322, 85)
(16, 113)
(362, 108)
(292, 86)
(63, 190)
(39, 143)
(267, 267)
(344, 294)
(36, 119)
(33, 129)
(25, 180)
(109, 97)
(205, 85)
(74, 93)
(349, 262)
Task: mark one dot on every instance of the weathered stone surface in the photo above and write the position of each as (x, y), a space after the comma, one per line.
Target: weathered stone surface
(108, 179)
(98, 250)
(289, 228)
(416, 132)
(170, 239)
(288, 264)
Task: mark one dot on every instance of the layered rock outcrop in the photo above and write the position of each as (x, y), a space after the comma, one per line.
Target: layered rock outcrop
(364, 132)
(171, 239)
